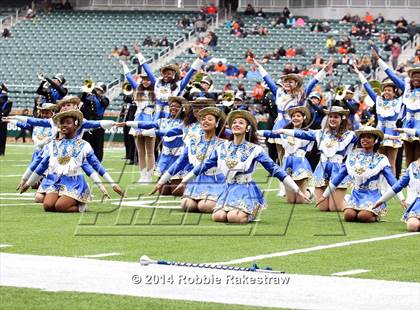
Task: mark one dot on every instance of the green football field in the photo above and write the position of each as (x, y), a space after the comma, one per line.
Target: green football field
(155, 226)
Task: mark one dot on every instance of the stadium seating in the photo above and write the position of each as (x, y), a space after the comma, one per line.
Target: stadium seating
(77, 44)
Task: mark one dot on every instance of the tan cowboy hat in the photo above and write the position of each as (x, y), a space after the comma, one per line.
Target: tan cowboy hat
(293, 76)
(370, 130)
(71, 113)
(213, 111)
(304, 110)
(413, 70)
(68, 99)
(179, 99)
(387, 82)
(338, 110)
(172, 67)
(242, 114)
(203, 101)
(48, 106)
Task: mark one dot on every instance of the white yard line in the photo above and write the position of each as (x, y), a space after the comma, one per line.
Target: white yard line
(5, 245)
(101, 255)
(350, 272)
(300, 292)
(28, 204)
(316, 248)
(10, 175)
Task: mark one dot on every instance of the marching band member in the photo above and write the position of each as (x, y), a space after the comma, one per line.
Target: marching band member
(69, 191)
(388, 109)
(52, 90)
(295, 164)
(334, 143)
(200, 195)
(172, 146)
(411, 100)
(411, 179)
(93, 108)
(5, 108)
(367, 168)
(241, 199)
(288, 93)
(145, 99)
(169, 84)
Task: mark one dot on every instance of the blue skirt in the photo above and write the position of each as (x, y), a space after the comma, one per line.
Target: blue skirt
(74, 187)
(246, 197)
(205, 187)
(389, 142)
(142, 117)
(365, 199)
(164, 162)
(326, 171)
(411, 124)
(412, 211)
(297, 167)
(47, 184)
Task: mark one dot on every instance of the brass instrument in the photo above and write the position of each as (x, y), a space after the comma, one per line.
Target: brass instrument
(87, 86)
(228, 99)
(42, 77)
(340, 92)
(127, 89)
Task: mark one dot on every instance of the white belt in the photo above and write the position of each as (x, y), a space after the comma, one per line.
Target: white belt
(371, 186)
(387, 124)
(241, 179)
(176, 151)
(212, 171)
(299, 153)
(334, 159)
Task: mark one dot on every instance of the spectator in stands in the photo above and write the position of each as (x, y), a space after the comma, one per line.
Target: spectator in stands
(380, 19)
(30, 14)
(330, 45)
(266, 58)
(232, 71)
(346, 19)
(290, 68)
(400, 28)
(253, 74)
(355, 19)
(401, 20)
(368, 18)
(67, 5)
(220, 67)
(163, 42)
(317, 61)
(212, 43)
(211, 10)
(325, 27)
(229, 23)
(417, 56)
(124, 52)
(342, 49)
(291, 52)
(185, 22)
(260, 14)
(316, 27)
(258, 92)
(355, 31)
(262, 31)
(300, 22)
(242, 72)
(115, 52)
(300, 51)
(280, 52)
(290, 21)
(200, 25)
(249, 10)
(286, 12)
(364, 64)
(148, 41)
(395, 54)
(412, 30)
(282, 20)
(311, 71)
(6, 33)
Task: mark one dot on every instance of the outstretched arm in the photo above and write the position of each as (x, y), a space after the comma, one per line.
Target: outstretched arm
(391, 74)
(366, 84)
(270, 83)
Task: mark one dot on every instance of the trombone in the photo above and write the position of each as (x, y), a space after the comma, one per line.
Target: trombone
(87, 86)
(127, 89)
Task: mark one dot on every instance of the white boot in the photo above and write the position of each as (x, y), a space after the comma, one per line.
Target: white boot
(82, 207)
(148, 176)
(143, 173)
(282, 191)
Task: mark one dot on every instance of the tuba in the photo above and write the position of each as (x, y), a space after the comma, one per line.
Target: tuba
(127, 89)
(340, 93)
(87, 86)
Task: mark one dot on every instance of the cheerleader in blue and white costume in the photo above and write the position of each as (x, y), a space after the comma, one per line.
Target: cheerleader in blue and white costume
(367, 168)
(169, 84)
(172, 146)
(334, 143)
(241, 199)
(200, 195)
(410, 87)
(388, 111)
(296, 165)
(411, 179)
(66, 157)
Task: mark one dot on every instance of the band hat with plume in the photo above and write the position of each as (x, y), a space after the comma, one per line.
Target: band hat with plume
(75, 113)
(242, 114)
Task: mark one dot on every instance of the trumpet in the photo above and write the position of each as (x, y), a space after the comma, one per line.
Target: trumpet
(340, 92)
(87, 86)
(41, 76)
(127, 89)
